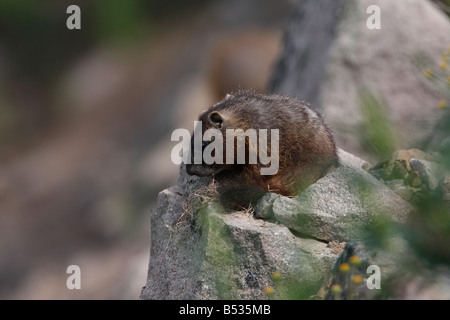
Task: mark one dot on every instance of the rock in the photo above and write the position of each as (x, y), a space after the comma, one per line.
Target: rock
(372, 59)
(395, 182)
(167, 261)
(428, 172)
(398, 166)
(300, 69)
(408, 171)
(413, 179)
(340, 205)
(407, 155)
(263, 208)
(445, 189)
(199, 251)
(228, 256)
(352, 160)
(406, 193)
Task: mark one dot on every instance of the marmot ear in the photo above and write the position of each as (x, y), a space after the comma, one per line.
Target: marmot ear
(215, 119)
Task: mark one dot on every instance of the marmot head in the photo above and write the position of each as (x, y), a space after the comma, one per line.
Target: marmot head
(215, 121)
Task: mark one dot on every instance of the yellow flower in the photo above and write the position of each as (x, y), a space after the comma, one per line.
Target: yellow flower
(428, 73)
(276, 276)
(269, 290)
(442, 104)
(354, 260)
(443, 65)
(357, 279)
(344, 267)
(336, 289)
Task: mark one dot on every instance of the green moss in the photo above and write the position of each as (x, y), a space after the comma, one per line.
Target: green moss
(219, 250)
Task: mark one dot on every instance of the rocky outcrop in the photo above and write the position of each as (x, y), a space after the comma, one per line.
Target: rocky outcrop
(222, 255)
(227, 256)
(199, 251)
(409, 258)
(413, 173)
(340, 205)
(294, 247)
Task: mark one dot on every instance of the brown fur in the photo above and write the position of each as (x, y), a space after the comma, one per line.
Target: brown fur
(306, 145)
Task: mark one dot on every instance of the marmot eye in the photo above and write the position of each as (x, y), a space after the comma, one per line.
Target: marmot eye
(204, 144)
(215, 119)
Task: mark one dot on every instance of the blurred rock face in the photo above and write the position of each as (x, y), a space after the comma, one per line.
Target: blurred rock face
(307, 39)
(334, 58)
(386, 63)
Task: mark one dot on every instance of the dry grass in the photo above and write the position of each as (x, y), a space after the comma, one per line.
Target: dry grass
(202, 196)
(195, 201)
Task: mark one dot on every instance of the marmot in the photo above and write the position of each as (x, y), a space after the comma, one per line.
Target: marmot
(306, 148)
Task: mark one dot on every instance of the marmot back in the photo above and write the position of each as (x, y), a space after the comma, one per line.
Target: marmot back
(306, 148)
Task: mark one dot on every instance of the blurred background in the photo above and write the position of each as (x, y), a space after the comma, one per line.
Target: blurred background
(86, 117)
(85, 123)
